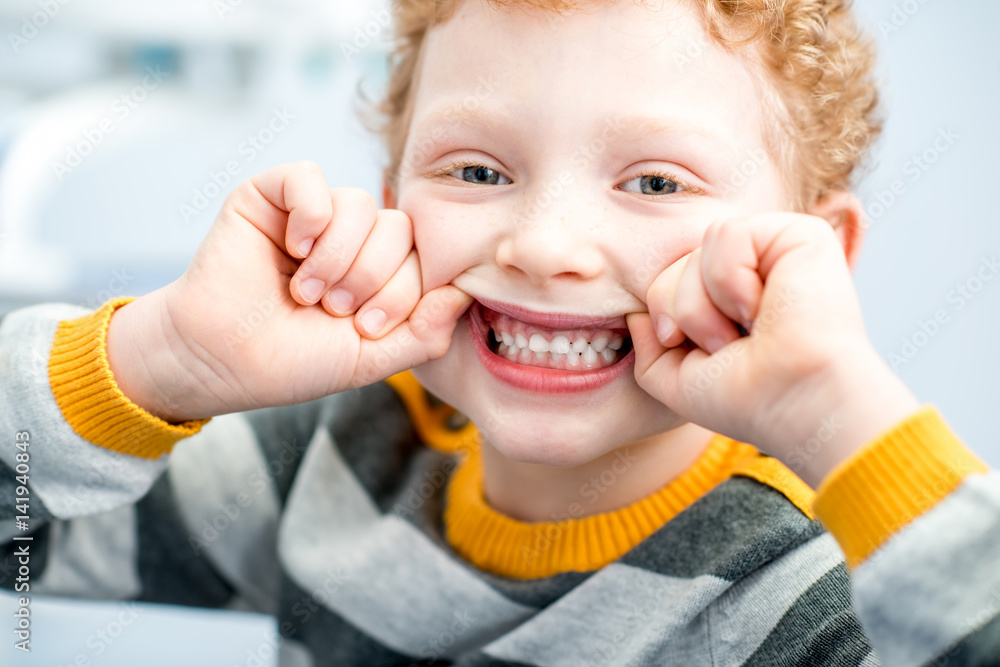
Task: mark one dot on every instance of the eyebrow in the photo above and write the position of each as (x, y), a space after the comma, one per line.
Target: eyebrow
(634, 126)
(465, 115)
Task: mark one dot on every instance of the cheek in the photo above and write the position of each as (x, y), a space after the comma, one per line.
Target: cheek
(448, 239)
(653, 250)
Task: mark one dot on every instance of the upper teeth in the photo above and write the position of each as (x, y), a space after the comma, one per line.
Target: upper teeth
(561, 345)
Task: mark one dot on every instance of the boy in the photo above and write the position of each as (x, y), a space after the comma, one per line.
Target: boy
(585, 279)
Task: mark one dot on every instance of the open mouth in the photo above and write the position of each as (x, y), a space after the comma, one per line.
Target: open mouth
(550, 353)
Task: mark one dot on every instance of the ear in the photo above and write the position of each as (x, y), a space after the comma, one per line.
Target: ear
(388, 195)
(847, 217)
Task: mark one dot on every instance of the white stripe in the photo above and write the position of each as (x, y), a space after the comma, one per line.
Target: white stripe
(622, 615)
(70, 475)
(748, 612)
(92, 557)
(380, 572)
(230, 506)
(936, 580)
(871, 660)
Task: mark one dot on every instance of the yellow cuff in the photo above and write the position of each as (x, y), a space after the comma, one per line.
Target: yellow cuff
(90, 399)
(891, 481)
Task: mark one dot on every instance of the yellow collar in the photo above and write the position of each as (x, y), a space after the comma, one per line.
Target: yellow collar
(505, 546)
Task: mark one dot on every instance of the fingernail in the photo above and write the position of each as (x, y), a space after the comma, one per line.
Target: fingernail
(341, 301)
(312, 289)
(306, 246)
(373, 321)
(665, 327)
(713, 345)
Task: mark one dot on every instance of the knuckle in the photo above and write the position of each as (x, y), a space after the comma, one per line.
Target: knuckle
(355, 199)
(306, 168)
(719, 276)
(685, 315)
(366, 277)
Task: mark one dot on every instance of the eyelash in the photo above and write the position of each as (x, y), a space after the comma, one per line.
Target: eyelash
(682, 186)
(452, 168)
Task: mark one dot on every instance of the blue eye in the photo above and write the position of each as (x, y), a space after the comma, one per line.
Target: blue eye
(480, 175)
(651, 184)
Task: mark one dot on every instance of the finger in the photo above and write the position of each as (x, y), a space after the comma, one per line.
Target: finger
(393, 303)
(696, 315)
(424, 336)
(729, 269)
(288, 203)
(660, 301)
(657, 369)
(354, 215)
(384, 251)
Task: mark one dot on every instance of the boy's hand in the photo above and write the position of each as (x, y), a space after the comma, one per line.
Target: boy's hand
(251, 323)
(805, 386)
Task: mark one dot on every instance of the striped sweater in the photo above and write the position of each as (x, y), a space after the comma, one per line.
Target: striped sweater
(358, 522)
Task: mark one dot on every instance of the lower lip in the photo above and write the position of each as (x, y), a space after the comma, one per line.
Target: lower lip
(540, 380)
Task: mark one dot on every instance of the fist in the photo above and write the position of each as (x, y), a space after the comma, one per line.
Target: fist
(759, 335)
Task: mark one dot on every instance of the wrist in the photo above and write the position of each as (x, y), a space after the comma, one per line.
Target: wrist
(862, 399)
(147, 361)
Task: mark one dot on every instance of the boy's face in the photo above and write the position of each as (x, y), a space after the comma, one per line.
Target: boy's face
(555, 165)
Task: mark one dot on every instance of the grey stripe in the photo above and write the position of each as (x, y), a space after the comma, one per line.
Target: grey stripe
(936, 580)
(223, 492)
(746, 614)
(380, 572)
(92, 557)
(70, 475)
(622, 615)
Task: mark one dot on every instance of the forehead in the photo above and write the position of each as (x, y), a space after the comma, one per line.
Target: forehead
(567, 73)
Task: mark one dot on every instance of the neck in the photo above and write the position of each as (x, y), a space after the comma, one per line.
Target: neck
(532, 492)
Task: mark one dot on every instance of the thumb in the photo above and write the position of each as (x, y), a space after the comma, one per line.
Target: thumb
(424, 336)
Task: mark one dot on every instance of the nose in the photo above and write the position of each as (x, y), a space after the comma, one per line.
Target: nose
(552, 239)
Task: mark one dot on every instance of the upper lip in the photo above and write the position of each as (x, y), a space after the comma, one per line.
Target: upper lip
(554, 320)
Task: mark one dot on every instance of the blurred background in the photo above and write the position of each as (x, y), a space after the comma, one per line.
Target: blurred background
(124, 124)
